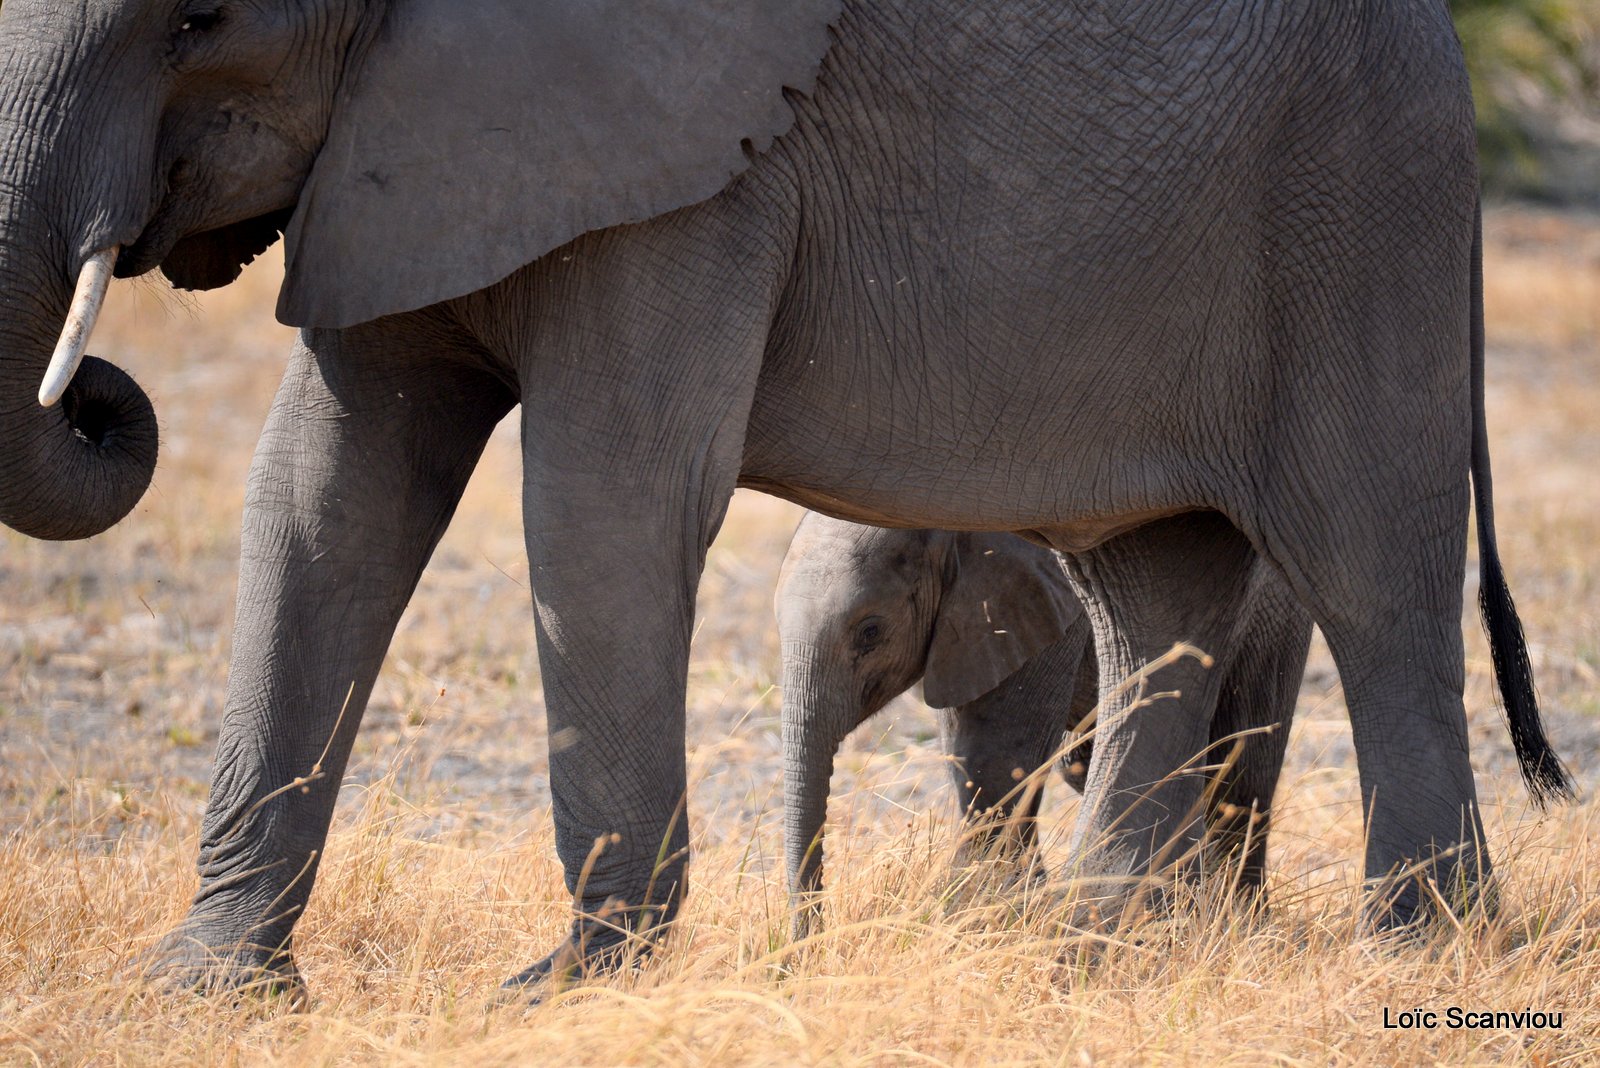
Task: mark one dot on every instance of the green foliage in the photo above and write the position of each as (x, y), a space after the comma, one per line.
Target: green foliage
(1511, 44)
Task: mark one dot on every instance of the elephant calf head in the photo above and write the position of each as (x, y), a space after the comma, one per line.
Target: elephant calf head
(986, 621)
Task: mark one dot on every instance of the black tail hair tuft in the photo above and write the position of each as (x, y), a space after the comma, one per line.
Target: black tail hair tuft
(1542, 770)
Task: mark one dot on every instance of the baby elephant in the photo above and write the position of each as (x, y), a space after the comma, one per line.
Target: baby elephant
(991, 626)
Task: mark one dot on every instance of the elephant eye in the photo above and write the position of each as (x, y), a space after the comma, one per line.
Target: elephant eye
(869, 632)
(201, 21)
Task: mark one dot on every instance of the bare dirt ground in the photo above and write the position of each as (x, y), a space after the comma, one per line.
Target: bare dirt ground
(440, 879)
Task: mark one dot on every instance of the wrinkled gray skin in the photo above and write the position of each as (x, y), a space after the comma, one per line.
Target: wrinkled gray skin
(989, 623)
(1173, 288)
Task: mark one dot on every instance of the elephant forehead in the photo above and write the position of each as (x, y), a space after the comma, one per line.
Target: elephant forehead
(826, 550)
(837, 570)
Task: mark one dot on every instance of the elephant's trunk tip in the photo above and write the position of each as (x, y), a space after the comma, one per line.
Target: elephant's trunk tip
(87, 300)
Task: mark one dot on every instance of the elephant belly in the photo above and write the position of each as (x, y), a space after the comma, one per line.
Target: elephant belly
(1022, 307)
(1050, 390)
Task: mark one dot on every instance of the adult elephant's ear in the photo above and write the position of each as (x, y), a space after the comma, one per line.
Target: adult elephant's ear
(1008, 602)
(471, 137)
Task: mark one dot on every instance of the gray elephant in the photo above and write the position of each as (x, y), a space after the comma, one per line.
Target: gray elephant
(1171, 288)
(990, 625)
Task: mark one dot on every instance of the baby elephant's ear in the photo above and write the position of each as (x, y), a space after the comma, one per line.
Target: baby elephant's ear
(1008, 602)
(470, 137)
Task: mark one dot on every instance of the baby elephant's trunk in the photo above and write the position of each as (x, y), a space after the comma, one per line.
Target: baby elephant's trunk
(813, 728)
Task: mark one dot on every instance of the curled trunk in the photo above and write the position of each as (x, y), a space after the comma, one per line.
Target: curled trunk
(73, 469)
(75, 466)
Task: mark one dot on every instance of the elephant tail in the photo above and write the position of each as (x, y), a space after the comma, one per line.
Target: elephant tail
(1542, 770)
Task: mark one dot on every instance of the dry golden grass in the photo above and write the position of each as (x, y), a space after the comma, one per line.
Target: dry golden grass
(440, 879)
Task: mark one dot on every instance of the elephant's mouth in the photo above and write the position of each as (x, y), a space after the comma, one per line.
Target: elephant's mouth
(164, 229)
(215, 258)
(199, 259)
(206, 260)
(146, 252)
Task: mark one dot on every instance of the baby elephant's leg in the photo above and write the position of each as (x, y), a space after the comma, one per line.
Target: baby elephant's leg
(1002, 742)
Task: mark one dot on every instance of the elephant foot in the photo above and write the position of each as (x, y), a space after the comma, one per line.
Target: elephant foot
(805, 914)
(592, 950)
(184, 960)
(1414, 907)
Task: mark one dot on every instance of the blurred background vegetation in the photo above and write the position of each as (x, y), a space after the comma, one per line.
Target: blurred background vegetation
(1535, 67)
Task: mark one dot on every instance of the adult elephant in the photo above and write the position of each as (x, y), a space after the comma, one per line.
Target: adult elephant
(1166, 287)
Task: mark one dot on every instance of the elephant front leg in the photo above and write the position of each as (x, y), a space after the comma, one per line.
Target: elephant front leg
(361, 464)
(615, 553)
(1003, 743)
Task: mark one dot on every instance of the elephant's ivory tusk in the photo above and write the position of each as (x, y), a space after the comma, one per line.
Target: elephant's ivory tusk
(86, 302)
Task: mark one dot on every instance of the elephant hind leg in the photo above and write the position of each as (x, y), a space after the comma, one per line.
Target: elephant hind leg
(1250, 730)
(1357, 485)
(1178, 581)
(1387, 594)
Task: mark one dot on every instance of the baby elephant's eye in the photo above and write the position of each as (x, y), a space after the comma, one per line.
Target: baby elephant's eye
(869, 632)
